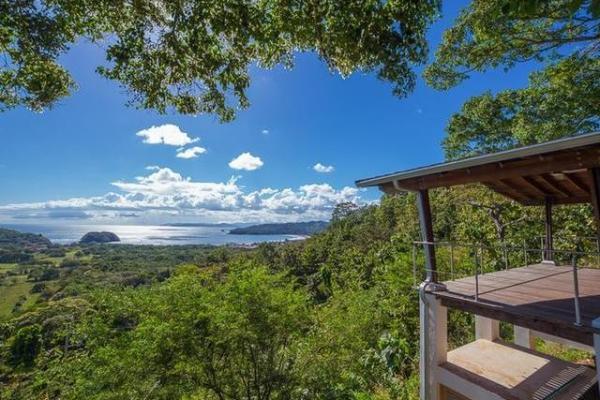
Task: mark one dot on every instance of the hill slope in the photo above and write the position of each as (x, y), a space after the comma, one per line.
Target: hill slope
(289, 228)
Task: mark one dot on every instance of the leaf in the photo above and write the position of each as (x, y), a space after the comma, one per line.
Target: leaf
(595, 8)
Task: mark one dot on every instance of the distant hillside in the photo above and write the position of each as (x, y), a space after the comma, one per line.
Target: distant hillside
(9, 237)
(289, 228)
(99, 237)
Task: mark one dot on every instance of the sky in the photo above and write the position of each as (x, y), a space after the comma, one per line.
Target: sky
(291, 156)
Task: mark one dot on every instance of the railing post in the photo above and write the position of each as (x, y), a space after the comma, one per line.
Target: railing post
(452, 259)
(414, 259)
(542, 246)
(476, 276)
(597, 251)
(525, 252)
(576, 290)
(505, 257)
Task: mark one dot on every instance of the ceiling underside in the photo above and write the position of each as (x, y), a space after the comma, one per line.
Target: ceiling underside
(563, 176)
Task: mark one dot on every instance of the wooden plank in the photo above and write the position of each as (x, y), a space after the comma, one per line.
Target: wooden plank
(514, 373)
(550, 326)
(538, 297)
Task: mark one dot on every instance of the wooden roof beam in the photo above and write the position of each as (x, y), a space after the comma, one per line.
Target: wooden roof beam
(576, 181)
(556, 185)
(524, 167)
(535, 186)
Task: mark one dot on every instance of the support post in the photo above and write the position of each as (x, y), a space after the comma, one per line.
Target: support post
(486, 328)
(595, 197)
(596, 326)
(524, 337)
(433, 342)
(548, 245)
(427, 234)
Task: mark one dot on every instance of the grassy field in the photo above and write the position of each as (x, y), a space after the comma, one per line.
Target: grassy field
(13, 289)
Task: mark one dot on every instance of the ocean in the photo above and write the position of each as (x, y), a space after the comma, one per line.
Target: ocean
(149, 234)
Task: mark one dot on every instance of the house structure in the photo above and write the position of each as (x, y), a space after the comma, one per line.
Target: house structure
(556, 302)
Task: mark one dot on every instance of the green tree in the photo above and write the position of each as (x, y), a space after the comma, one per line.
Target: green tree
(194, 56)
(562, 99)
(26, 345)
(198, 336)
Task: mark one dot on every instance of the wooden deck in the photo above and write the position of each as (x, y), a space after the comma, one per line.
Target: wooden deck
(514, 373)
(538, 296)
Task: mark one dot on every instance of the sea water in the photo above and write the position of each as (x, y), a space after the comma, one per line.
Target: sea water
(149, 234)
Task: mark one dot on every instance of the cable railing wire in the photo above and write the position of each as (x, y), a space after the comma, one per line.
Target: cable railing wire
(501, 253)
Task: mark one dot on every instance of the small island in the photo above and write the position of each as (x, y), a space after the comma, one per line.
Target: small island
(99, 237)
(289, 228)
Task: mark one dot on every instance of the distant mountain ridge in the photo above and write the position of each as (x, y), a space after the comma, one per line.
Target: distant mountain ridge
(287, 228)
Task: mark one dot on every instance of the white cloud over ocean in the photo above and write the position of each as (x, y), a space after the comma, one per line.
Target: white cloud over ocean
(164, 192)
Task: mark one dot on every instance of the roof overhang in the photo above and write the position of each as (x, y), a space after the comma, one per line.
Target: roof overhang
(559, 170)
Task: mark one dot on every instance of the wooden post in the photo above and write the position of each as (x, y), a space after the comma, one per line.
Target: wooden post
(595, 197)
(486, 328)
(524, 337)
(596, 325)
(548, 246)
(433, 342)
(427, 234)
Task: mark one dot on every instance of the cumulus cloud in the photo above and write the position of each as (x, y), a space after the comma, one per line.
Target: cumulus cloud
(168, 134)
(324, 169)
(164, 192)
(191, 152)
(246, 161)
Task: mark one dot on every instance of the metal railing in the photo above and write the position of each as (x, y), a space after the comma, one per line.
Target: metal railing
(456, 260)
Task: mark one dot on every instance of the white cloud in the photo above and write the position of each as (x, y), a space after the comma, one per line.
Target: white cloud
(191, 152)
(246, 161)
(265, 131)
(168, 134)
(324, 169)
(167, 195)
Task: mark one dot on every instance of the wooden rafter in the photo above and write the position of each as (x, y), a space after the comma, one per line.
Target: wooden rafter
(576, 181)
(556, 185)
(535, 186)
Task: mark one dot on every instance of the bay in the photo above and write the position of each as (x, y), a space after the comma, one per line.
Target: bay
(149, 234)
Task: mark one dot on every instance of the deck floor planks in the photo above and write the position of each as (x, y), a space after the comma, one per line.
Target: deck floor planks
(539, 291)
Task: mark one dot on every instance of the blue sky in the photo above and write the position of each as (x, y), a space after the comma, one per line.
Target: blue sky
(62, 163)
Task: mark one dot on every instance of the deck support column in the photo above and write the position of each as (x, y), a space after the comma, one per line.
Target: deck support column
(548, 245)
(427, 234)
(596, 325)
(486, 328)
(595, 198)
(433, 342)
(524, 337)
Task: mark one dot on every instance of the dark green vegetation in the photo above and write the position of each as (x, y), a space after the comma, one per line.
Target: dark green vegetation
(289, 228)
(562, 98)
(332, 317)
(335, 316)
(193, 56)
(99, 237)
